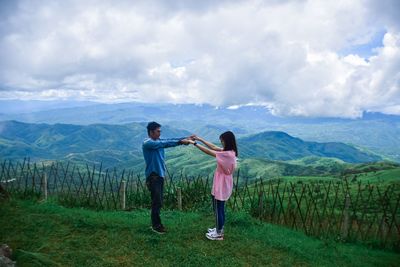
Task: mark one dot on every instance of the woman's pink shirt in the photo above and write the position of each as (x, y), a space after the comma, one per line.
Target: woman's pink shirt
(223, 176)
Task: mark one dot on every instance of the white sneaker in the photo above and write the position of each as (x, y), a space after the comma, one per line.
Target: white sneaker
(214, 236)
(212, 230)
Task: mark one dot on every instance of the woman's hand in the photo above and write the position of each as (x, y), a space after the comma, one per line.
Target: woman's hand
(197, 138)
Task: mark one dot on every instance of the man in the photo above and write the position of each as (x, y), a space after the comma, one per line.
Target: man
(153, 152)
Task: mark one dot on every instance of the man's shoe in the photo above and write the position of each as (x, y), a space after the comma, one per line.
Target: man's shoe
(159, 230)
(214, 236)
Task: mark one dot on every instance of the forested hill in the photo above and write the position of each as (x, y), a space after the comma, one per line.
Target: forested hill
(74, 142)
(281, 146)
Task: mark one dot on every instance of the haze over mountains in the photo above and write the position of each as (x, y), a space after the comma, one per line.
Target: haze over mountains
(86, 112)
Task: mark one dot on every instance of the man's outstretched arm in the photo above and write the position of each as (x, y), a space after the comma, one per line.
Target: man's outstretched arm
(164, 143)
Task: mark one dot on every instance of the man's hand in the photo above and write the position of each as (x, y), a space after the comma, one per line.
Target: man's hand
(185, 141)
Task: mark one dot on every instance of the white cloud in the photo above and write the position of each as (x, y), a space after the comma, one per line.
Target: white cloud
(284, 54)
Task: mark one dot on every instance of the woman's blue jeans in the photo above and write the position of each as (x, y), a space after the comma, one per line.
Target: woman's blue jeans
(219, 211)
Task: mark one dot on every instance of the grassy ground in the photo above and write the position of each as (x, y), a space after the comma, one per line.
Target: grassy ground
(46, 234)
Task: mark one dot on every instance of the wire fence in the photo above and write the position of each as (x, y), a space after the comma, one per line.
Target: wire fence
(340, 209)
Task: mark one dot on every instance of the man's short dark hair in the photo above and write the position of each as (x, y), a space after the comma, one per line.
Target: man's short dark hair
(151, 126)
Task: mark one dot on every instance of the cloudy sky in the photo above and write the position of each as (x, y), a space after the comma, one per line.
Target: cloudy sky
(311, 58)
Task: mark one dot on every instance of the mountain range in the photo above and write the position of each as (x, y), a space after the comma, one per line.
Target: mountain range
(120, 146)
(375, 132)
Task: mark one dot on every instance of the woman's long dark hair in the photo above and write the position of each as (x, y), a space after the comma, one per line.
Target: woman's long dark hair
(229, 141)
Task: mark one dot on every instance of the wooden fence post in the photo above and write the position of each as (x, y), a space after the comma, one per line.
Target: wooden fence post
(123, 194)
(346, 218)
(261, 203)
(179, 193)
(44, 186)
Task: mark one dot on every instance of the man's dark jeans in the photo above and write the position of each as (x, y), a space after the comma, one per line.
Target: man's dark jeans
(155, 184)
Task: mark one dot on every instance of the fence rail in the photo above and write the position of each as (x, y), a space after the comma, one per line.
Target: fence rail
(349, 211)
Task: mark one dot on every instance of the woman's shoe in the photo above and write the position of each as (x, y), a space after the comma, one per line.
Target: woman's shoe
(214, 236)
(211, 230)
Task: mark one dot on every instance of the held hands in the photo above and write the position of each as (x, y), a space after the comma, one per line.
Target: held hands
(190, 140)
(187, 141)
(196, 138)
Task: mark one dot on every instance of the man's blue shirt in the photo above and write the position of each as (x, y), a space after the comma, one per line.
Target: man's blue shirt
(154, 156)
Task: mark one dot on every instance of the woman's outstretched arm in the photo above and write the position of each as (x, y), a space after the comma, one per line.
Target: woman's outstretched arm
(208, 144)
(203, 148)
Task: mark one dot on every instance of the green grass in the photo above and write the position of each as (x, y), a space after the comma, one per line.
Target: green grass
(46, 234)
(380, 177)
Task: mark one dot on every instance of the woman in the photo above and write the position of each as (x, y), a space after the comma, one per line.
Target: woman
(223, 180)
